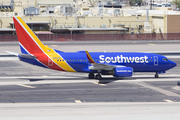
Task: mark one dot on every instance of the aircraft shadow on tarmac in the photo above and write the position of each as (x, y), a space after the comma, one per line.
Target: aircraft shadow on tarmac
(104, 80)
(109, 80)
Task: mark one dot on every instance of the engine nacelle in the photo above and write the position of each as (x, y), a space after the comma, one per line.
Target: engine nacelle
(123, 72)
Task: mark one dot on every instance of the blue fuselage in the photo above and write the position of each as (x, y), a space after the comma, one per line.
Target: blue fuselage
(140, 62)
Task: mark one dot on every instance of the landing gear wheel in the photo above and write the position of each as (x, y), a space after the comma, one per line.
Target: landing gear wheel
(91, 76)
(156, 76)
(98, 76)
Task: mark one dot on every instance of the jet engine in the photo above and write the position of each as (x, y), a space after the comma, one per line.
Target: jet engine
(123, 72)
(119, 72)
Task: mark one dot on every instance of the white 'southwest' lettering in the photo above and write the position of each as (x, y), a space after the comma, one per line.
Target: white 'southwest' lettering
(122, 59)
(124, 71)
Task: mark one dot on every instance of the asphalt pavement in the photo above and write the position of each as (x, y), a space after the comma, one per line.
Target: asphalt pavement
(31, 92)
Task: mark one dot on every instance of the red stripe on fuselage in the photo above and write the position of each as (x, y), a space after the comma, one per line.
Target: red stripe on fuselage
(30, 45)
(90, 59)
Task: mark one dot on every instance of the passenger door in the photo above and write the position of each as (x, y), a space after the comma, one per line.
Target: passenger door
(155, 60)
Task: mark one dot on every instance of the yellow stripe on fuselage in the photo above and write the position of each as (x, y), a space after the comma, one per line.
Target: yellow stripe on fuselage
(60, 61)
(49, 51)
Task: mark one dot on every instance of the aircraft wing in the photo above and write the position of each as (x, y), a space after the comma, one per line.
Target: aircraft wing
(101, 67)
(98, 66)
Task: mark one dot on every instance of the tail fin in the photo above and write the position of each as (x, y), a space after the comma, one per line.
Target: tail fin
(29, 42)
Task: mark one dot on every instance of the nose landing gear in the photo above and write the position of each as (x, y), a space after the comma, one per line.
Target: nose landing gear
(156, 75)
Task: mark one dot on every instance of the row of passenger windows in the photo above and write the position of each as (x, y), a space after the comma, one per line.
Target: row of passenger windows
(85, 60)
(75, 60)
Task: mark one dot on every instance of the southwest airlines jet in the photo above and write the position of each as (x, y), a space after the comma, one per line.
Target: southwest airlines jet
(118, 64)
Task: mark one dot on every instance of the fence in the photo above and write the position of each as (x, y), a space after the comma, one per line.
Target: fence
(99, 37)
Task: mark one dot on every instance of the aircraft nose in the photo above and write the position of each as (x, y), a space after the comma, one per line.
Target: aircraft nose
(172, 64)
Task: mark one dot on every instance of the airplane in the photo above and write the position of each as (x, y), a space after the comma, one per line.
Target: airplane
(117, 64)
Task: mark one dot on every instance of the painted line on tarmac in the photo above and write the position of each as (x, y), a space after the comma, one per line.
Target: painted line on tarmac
(54, 45)
(176, 88)
(99, 83)
(165, 92)
(8, 58)
(28, 86)
(77, 101)
(151, 44)
(169, 56)
(168, 100)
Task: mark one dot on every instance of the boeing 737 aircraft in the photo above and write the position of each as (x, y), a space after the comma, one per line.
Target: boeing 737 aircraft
(118, 64)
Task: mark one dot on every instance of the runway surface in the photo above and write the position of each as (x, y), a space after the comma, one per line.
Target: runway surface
(91, 111)
(31, 92)
(99, 46)
(64, 89)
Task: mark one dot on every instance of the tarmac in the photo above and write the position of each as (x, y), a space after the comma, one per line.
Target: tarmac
(29, 92)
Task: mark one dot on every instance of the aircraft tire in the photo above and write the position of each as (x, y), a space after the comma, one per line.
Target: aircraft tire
(98, 76)
(156, 76)
(91, 76)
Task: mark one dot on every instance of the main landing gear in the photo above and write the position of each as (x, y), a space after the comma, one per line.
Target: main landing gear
(98, 76)
(156, 75)
(91, 76)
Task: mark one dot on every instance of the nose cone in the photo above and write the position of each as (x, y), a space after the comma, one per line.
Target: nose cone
(172, 64)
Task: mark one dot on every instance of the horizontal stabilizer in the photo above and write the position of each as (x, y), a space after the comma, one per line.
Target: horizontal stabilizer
(27, 56)
(12, 53)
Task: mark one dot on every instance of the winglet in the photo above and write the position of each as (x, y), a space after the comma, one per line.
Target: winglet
(89, 57)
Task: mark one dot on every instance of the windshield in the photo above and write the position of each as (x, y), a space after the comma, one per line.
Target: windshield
(165, 59)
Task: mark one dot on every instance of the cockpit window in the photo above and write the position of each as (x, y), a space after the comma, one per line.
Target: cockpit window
(165, 59)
